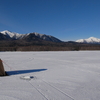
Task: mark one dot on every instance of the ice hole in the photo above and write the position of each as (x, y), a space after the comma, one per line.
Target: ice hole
(26, 77)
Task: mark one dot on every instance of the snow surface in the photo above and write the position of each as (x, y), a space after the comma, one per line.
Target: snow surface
(71, 75)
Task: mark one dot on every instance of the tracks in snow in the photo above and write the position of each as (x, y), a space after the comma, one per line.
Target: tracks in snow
(48, 91)
(39, 91)
(59, 90)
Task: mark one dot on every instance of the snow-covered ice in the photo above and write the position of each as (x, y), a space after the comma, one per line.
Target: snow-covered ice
(63, 75)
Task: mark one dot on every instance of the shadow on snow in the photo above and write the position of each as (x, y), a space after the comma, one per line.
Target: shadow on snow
(24, 71)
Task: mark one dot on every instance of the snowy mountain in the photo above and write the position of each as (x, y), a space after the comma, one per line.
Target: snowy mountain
(37, 36)
(29, 36)
(13, 35)
(91, 40)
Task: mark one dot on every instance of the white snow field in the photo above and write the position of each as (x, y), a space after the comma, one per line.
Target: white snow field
(64, 75)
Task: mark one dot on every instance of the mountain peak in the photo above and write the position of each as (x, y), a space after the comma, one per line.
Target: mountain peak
(10, 34)
(91, 37)
(6, 31)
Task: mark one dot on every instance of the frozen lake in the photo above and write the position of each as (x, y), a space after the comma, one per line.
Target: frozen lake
(65, 75)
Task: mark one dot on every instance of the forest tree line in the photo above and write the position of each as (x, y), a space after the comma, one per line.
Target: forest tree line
(19, 45)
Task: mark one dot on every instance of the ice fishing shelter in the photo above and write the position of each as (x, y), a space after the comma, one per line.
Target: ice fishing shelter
(2, 71)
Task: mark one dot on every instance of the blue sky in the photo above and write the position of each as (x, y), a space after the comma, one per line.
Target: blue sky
(64, 19)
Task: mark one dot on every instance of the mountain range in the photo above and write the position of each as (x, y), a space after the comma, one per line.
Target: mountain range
(8, 35)
(11, 41)
(91, 40)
